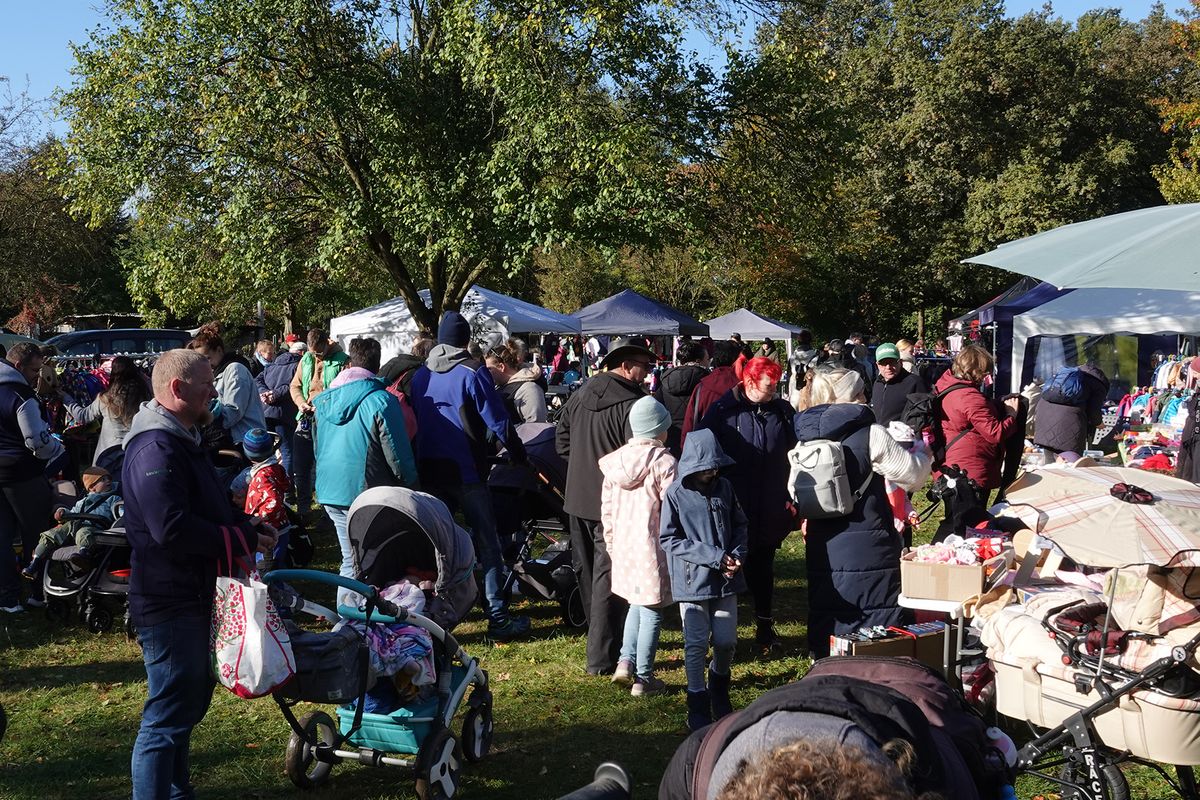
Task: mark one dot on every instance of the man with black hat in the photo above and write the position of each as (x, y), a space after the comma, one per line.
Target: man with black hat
(457, 405)
(594, 423)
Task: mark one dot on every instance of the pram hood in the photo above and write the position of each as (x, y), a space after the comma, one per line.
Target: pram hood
(374, 530)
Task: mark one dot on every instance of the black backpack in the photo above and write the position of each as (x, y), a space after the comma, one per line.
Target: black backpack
(920, 413)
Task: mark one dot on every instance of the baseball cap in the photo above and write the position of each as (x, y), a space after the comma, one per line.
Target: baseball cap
(887, 350)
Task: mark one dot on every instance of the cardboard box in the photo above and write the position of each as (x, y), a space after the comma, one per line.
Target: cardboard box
(923, 642)
(953, 582)
(848, 645)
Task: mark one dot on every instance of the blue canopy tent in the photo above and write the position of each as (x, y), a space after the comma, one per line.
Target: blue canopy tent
(1000, 315)
(975, 317)
(628, 312)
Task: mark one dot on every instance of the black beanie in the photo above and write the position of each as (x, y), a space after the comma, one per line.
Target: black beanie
(454, 330)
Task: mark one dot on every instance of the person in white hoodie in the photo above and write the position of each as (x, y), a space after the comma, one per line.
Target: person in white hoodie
(636, 477)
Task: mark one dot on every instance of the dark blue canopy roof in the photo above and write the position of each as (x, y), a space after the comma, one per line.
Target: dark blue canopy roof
(631, 313)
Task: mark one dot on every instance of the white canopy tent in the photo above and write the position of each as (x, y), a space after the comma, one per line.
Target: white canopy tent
(493, 317)
(751, 326)
(1107, 311)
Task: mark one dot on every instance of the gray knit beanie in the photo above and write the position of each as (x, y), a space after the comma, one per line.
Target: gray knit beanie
(648, 418)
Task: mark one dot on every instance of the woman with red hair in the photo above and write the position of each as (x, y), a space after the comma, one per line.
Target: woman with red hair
(754, 428)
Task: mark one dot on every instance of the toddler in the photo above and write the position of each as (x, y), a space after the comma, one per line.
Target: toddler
(267, 488)
(99, 501)
(636, 477)
(704, 535)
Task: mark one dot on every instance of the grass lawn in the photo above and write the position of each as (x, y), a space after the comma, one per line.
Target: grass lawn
(74, 700)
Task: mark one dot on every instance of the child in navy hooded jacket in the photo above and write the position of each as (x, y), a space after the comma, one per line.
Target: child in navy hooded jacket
(704, 535)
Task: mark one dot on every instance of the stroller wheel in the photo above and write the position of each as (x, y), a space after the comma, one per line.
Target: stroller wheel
(99, 619)
(304, 769)
(477, 732)
(1115, 787)
(438, 767)
(573, 614)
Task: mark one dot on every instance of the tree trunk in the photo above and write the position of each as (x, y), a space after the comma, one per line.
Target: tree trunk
(920, 324)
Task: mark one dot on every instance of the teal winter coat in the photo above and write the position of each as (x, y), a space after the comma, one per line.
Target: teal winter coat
(360, 443)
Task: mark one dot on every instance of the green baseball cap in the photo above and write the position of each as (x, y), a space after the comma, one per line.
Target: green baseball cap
(885, 351)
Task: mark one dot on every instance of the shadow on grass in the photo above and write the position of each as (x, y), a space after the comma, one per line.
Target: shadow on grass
(65, 675)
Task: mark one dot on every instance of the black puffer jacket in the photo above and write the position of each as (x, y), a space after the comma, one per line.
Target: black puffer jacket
(888, 397)
(674, 390)
(853, 561)
(594, 423)
(1062, 428)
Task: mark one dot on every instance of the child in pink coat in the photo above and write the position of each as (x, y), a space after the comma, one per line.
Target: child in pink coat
(636, 477)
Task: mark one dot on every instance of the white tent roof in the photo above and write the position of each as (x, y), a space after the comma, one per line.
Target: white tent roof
(1107, 311)
(492, 315)
(750, 326)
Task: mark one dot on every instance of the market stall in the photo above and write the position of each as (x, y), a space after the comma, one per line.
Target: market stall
(753, 327)
(492, 315)
(1107, 312)
(629, 313)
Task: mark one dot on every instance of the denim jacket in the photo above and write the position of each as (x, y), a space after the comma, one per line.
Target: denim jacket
(699, 527)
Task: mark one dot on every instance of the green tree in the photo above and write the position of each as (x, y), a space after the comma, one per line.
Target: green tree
(52, 263)
(431, 144)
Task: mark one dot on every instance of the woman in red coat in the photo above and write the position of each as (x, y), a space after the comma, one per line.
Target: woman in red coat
(973, 428)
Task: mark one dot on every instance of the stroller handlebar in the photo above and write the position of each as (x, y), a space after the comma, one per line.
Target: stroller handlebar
(386, 608)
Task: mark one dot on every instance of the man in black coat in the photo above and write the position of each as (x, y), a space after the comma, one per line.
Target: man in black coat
(675, 388)
(893, 386)
(594, 423)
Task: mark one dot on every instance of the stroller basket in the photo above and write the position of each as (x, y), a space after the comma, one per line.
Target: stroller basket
(330, 667)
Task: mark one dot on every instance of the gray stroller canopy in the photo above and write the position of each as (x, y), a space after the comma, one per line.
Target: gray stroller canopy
(393, 529)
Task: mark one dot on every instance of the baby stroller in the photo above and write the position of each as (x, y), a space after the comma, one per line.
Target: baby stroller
(394, 532)
(98, 593)
(1106, 673)
(528, 499)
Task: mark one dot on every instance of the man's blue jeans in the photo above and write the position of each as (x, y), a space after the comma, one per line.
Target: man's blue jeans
(286, 428)
(476, 504)
(180, 686)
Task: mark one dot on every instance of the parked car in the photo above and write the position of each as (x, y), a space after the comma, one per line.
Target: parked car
(7, 339)
(113, 341)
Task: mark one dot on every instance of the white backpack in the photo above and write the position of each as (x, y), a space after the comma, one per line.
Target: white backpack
(818, 483)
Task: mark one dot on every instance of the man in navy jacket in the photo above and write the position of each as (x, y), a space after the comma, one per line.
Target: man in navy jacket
(178, 518)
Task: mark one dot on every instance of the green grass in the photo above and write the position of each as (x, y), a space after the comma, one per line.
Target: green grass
(74, 700)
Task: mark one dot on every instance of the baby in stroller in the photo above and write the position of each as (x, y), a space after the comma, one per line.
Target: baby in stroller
(95, 511)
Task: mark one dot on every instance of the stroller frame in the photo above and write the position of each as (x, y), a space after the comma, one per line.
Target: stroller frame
(91, 599)
(436, 762)
(1089, 765)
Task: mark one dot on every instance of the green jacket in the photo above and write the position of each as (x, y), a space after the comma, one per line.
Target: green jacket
(331, 365)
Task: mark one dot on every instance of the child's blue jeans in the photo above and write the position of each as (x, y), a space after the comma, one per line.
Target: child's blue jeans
(640, 644)
(702, 619)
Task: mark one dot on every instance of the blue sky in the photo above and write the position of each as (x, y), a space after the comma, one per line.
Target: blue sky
(35, 36)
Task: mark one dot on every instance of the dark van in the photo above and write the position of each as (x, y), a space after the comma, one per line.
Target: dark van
(114, 341)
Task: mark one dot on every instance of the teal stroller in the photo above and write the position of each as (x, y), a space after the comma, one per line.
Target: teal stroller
(394, 533)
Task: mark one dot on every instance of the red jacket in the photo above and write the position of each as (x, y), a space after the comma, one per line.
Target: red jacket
(980, 452)
(265, 496)
(710, 389)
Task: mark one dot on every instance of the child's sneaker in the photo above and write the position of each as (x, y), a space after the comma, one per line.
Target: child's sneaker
(644, 687)
(623, 674)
